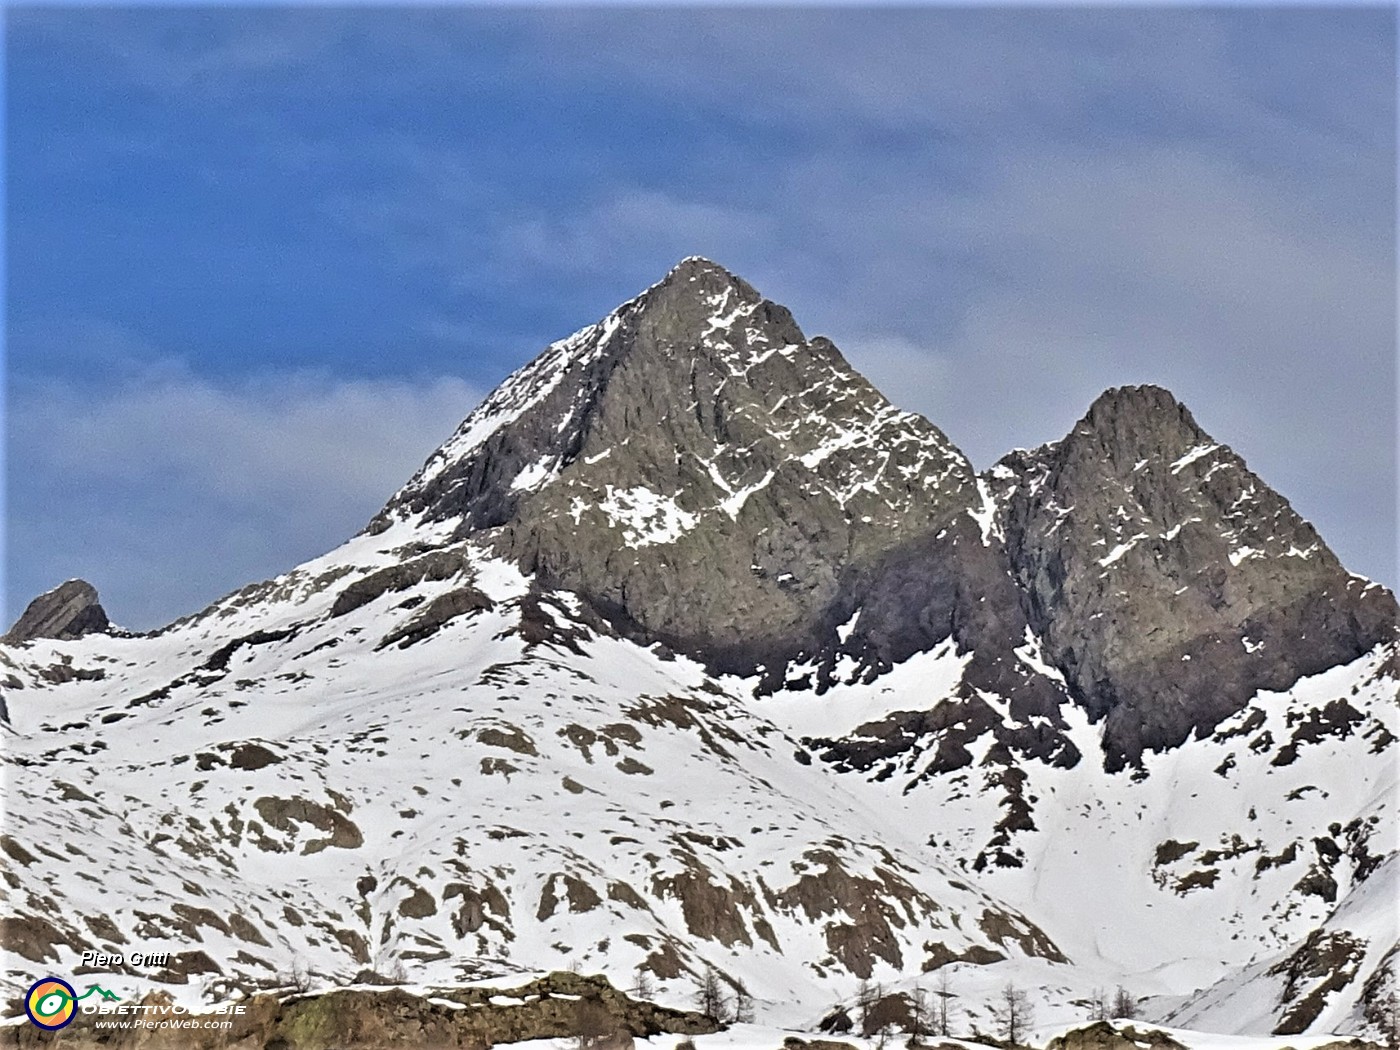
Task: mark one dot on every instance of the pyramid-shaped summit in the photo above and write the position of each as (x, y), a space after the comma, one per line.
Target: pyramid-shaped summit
(538, 421)
(692, 332)
(701, 472)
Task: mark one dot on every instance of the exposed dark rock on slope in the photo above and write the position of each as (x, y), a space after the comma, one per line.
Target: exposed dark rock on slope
(70, 610)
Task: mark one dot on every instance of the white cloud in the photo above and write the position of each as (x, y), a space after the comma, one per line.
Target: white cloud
(631, 224)
(170, 489)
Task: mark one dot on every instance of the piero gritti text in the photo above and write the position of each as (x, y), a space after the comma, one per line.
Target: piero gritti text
(142, 959)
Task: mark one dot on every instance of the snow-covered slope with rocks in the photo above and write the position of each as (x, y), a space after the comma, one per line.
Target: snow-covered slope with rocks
(1226, 851)
(285, 783)
(689, 650)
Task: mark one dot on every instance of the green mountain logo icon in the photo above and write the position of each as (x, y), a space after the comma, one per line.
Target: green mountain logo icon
(100, 992)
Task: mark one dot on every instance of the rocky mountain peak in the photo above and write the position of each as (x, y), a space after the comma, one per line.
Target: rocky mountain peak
(70, 610)
(699, 469)
(699, 266)
(1169, 581)
(693, 329)
(1141, 403)
(1137, 421)
(696, 277)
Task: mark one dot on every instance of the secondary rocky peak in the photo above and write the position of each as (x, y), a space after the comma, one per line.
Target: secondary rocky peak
(1168, 581)
(1126, 424)
(70, 610)
(1136, 402)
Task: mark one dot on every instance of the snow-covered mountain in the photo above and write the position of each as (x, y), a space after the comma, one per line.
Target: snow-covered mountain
(688, 650)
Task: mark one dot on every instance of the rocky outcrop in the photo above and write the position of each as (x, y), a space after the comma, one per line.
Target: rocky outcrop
(1168, 582)
(435, 565)
(559, 1005)
(436, 614)
(70, 610)
(1325, 963)
(1101, 1035)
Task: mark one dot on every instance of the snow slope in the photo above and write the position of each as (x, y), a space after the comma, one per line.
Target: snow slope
(515, 792)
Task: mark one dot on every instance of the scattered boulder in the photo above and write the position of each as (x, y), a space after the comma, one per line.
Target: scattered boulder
(895, 1012)
(792, 1042)
(1101, 1035)
(837, 1022)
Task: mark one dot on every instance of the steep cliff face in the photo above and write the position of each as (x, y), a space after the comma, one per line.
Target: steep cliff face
(710, 478)
(1168, 582)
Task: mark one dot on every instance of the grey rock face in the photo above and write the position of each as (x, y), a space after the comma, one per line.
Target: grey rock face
(1168, 582)
(710, 478)
(70, 610)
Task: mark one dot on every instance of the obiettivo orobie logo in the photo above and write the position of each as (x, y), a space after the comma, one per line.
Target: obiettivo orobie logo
(52, 1003)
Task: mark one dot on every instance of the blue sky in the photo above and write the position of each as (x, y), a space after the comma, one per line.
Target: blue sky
(262, 260)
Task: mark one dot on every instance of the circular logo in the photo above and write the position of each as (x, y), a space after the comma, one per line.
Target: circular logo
(50, 1003)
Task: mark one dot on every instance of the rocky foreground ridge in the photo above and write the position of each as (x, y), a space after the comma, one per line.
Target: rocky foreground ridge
(557, 1005)
(689, 653)
(585, 1011)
